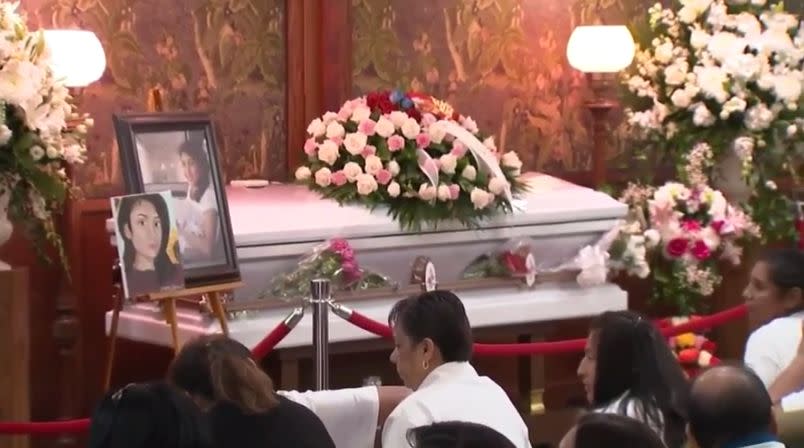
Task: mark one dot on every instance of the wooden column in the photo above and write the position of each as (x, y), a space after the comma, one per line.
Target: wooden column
(14, 352)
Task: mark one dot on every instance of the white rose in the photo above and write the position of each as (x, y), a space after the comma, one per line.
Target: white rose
(771, 185)
(702, 117)
(323, 177)
(758, 117)
(5, 134)
(489, 143)
(710, 237)
(725, 45)
(712, 81)
(699, 38)
(497, 185)
(384, 128)
(328, 152)
(791, 130)
(328, 117)
(469, 173)
(687, 14)
(361, 113)
(317, 128)
(366, 184)
(303, 173)
(436, 132)
(373, 165)
(393, 189)
(37, 152)
(734, 104)
(355, 142)
(393, 167)
(470, 125)
(52, 152)
(787, 88)
(335, 130)
(448, 163)
(743, 66)
(410, 128)
(652, 238)
(675, 74)
(480, 198)
(398, 118)
(443, 193)
(744, 148)
(352, 170)
(664, 52)
(681, 99)
(427, 192)
(511, 160)
(766, 81)
(748, 24)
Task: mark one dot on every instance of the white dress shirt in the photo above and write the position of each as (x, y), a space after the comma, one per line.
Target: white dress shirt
(771, 348)
(455, 392)
(350, 415)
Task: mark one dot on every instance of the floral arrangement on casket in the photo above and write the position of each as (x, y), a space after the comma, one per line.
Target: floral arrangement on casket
(334, 260)
(728, 73)
(514, 259)
(412, 153)
(694, 352)
(36, 141)
(680, 234)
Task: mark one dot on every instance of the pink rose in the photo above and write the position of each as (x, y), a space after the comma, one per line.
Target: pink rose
(458, 149)
(338, 245)
(339, 178)
(701, 251)
(369, 150)
(454, 191)
(345, 112)
(338, 140)
(395, 143)
(367, 127)
(310, 146)
(350, 270)
(677, 247)
(422, 140)
(691, 225)
(383, 177)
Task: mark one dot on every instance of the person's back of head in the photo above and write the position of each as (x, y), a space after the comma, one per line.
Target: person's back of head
(215, 369)
(153, 415)
(598, 430)
(457, 435)
(729, 404)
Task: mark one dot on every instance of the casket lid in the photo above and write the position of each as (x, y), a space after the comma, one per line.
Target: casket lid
(281, 214)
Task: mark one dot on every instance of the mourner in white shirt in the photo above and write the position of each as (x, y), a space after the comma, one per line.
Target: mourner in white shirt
(433, 345)
(776, 306)
(629, 369)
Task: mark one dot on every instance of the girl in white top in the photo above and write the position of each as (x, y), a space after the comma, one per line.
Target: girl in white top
(629, 369)
(200, 241)
(775, 301)
(433, 344)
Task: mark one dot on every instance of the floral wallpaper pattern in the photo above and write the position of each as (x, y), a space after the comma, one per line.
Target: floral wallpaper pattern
(222, 56)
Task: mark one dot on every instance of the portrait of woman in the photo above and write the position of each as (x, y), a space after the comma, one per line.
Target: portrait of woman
(147, 245)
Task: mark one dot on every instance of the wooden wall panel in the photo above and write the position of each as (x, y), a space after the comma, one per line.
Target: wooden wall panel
(14, 351)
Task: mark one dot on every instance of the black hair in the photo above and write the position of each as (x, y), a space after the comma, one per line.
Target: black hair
(456, 435)
(221, 370)
(635, 362)
(600, 430)
(786, 267)
(165, 269)
(732, 404)
(151, 415)
(440, 316)
(194, 150)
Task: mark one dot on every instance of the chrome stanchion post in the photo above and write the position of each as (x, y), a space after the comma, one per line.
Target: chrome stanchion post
(320, 299)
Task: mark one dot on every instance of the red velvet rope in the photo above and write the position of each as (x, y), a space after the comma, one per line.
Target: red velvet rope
(262, 349)
(567, 346)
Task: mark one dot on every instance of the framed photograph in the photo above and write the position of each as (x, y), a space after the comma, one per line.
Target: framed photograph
(176, 152)
(147, 243)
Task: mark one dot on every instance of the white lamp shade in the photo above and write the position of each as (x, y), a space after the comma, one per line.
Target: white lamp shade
(600, 49)
(76, 56)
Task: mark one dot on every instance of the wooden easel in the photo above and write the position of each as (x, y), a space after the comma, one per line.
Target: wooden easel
(167, 301)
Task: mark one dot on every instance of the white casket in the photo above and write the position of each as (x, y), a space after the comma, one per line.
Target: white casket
(276, 226)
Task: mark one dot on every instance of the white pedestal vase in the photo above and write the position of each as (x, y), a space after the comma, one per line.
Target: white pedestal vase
(6, 227)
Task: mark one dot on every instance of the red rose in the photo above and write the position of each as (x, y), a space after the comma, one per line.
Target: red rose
(691, 225)
(677, 247)
(717, 226)
(415, 114)
(514, 263)
(701, 251)
(688, 356)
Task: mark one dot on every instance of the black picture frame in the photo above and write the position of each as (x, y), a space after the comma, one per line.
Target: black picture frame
(129, 128)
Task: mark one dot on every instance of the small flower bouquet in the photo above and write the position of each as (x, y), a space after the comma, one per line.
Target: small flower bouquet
(413, 154)
(682, 233)
(334, 260)
(513, 260)
(36, 141)
(694, 351)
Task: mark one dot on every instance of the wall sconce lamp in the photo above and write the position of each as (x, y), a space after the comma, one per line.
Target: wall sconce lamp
(600, 52)
(77, 58)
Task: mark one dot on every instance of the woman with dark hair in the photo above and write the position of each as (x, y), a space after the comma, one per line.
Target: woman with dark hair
(153, 415)
(775, 300)
(433, 345)
(199, 228)
(629, 369)
(457, 435)
(143, 221)
(610, 431)
(242, 408)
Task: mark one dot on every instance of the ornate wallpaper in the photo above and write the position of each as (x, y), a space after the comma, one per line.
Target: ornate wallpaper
(222, 56)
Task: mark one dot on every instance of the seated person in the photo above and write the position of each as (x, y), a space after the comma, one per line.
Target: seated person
(729, 407)
(153, 415)
(596, 430)
(433, 345)
(242, 408)
(775, 300)
(629, 369)
(457, 435)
